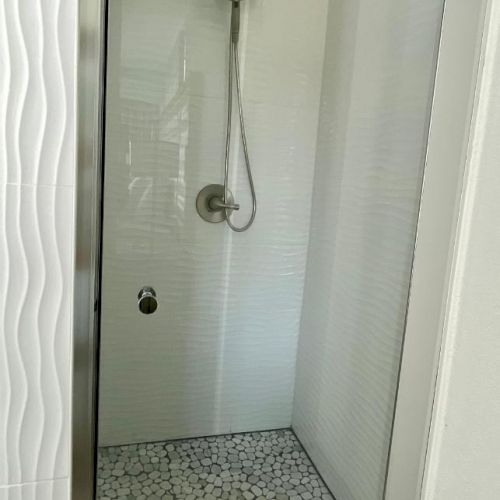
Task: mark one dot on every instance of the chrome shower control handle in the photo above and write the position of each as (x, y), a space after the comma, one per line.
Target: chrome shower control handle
(147, 300)
(214, 203)
(217, 203)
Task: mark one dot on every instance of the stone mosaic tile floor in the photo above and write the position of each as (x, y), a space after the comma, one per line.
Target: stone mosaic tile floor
(258, 465)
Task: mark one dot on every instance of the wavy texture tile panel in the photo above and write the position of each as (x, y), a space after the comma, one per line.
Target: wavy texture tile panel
(377, 89)
(37, 47)
(37, 91)
(4, 92)
(43, 490)
(36, 224)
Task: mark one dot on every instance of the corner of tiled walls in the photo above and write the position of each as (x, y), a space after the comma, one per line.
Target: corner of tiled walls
(37, 185)
(375, 104)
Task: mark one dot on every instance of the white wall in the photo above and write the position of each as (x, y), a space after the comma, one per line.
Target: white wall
(37, 63)
(463, 460)
(377, 89)
(219, 354)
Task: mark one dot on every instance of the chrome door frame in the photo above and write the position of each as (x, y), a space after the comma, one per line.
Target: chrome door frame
(91, 63)
(406, 467)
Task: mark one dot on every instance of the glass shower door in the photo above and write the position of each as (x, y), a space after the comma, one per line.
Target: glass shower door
(229, 304)
(217, 347)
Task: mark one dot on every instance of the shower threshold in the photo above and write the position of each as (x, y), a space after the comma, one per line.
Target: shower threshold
(253, 465)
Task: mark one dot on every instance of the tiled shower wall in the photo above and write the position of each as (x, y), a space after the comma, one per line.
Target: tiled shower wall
(377, 90)
(37, 63)
(219, 354)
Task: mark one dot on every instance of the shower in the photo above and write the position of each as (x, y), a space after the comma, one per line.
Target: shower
(263, 364)
(215, 203)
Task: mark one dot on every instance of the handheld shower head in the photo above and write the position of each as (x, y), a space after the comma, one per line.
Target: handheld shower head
(235, 21)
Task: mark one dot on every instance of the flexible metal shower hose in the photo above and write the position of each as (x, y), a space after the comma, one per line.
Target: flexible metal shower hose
(234, 67)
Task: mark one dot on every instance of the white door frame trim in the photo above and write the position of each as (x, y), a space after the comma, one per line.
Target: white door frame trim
(449, 133)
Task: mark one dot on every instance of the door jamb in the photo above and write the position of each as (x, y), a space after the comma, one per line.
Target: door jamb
(91, 63)
(450, 128)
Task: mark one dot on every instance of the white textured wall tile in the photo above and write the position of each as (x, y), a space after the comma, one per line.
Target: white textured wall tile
(377, 89)
(4, 92)
(37, 90)
(43, 490)
(229, 305)
(281, 61)
(35, 262)
(37, 58)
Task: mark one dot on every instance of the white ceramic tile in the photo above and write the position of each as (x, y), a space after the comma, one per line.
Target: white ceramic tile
(164, 48)
(199, 340)
(202, 363)
(36, 224)
(282, 49)
(44, 490)
(37, 146)
(377, 89)
(37, 92)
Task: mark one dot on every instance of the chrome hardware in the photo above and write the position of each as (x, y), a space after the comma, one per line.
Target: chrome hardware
(235, 21)
(218, 204)
(211, 205)
(215, 202)
(234, 74)
(147, 300)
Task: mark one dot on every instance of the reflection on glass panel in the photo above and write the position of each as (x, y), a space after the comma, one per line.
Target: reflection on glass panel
(262, 363)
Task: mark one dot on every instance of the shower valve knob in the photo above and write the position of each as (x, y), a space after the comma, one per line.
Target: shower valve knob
(216, 203)
(147, 300)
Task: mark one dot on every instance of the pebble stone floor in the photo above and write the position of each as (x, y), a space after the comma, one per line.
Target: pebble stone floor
(258, 465)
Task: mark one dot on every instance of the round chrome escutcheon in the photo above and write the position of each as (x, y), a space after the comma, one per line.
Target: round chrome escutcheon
(204, 207)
